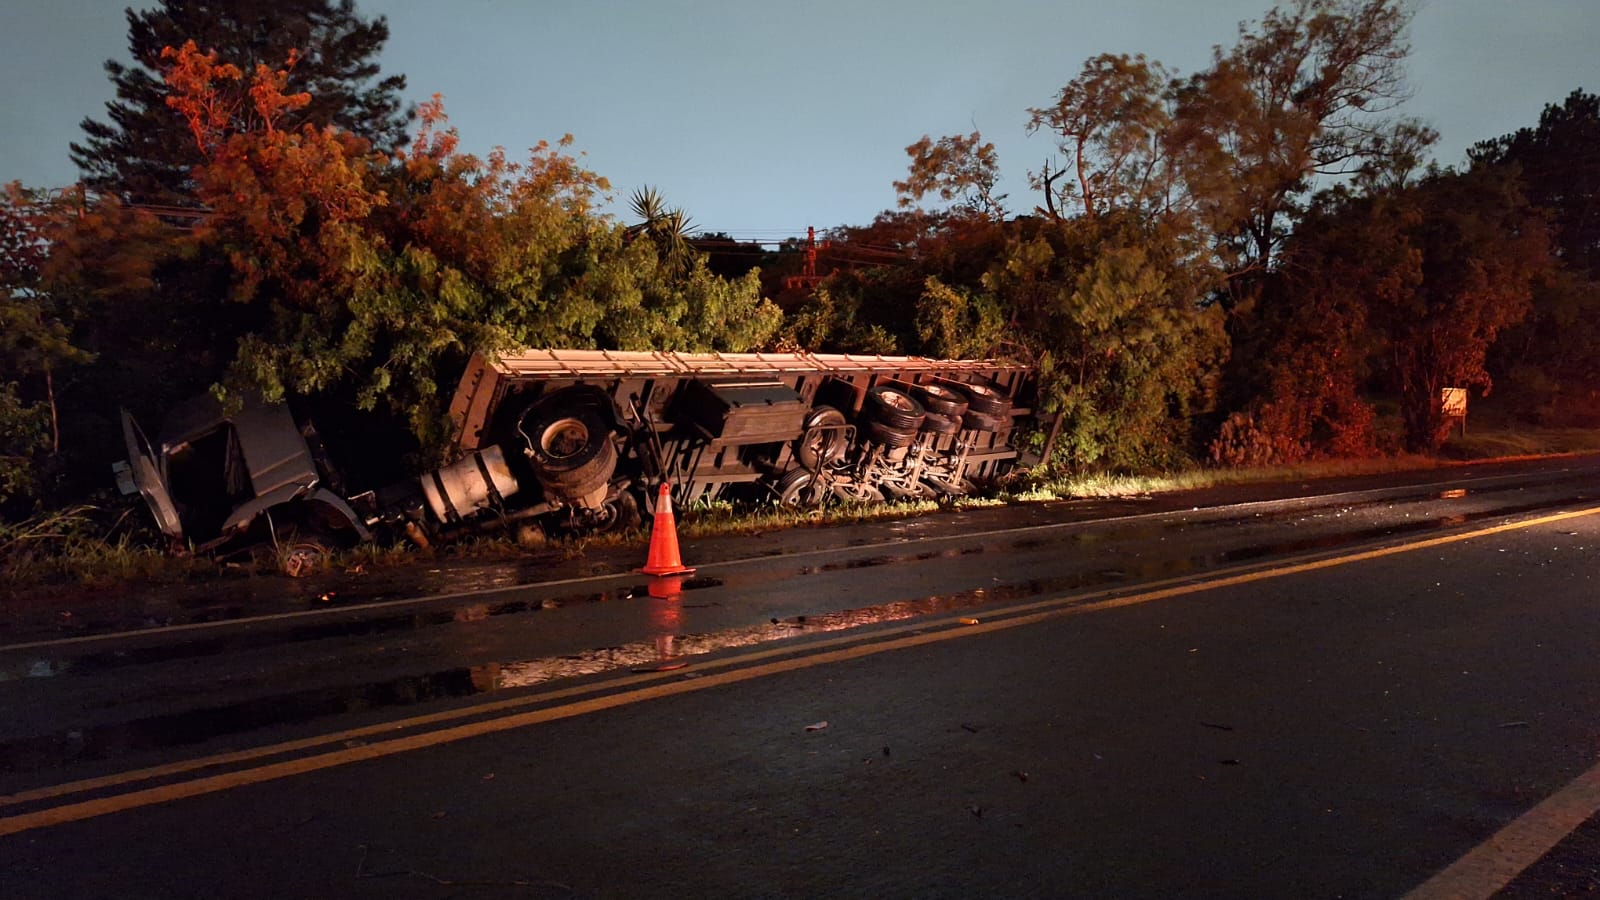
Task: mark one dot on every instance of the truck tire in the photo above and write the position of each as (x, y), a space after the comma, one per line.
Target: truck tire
(893, 438)
(856, 492)
(944, 486)
(936, 423)
(977, 421)
(986, 400)
(824, 441)
(940, 400)
(894, 408)
(570, 450)
(801, 489)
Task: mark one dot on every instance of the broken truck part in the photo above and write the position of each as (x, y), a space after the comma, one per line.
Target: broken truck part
(573, 440)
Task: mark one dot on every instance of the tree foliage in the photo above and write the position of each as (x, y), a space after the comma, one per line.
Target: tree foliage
(961, 169)
(35, 343)
(1483, 249)
(1552, 361)
(1305, 366)
(1559, 163)
(1110, 124)
(144, 153)
(1304, 95)
(374, 278)
(1400, 292)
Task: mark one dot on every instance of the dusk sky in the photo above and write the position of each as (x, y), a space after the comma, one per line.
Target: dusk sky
(761, 118)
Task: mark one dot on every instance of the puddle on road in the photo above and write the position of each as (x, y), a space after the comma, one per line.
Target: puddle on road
(668, 644)
(94, 662)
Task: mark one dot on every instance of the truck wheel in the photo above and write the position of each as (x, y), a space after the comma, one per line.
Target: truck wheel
(941, 424)
(943, 485)
(856, 492)
(621, 514)
(801, 489)
(986, 400)
(909, 490)
(824, 441)
(893, 438)
(894, 408)
(565, 439)
(936, 398)
(570, 449)
(304, 550)
(976, 421)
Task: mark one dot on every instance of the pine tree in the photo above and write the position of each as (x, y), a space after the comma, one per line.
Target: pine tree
(146, 152)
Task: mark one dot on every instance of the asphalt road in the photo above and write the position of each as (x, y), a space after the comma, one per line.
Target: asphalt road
(1322, 695)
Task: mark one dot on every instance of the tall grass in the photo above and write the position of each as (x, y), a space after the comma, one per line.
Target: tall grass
(73, 546)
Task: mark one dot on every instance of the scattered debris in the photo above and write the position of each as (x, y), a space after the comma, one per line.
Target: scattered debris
(1020, 775)
(817, 726)
(976, 810)
(1513, 725)
(885, 751)
(1217, 726)
(971, 728)
(968, 620)
(1228, 762)
(489, 777)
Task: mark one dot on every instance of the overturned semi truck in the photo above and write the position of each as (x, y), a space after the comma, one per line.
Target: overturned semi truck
(573, 440)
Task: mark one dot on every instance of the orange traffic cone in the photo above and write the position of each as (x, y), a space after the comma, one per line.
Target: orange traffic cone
(663, 558)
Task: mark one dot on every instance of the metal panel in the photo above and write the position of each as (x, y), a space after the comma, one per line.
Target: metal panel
(622, 363)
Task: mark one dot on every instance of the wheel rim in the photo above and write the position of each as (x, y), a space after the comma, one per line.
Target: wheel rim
(565, 438)
(303, 558)
(897, 400)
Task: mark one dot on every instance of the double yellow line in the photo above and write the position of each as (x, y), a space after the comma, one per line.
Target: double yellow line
(620, 692)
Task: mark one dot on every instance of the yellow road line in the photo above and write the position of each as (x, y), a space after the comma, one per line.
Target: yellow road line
(1016, 616)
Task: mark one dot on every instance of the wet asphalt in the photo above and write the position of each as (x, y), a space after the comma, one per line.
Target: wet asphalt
(163, 679)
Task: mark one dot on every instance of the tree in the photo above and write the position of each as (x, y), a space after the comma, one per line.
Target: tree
(35, 342)
(1304, 366)
(1302, 97)
(668, 228)
(1111, 122)
(1127, 355)
(145, 154)
(375, 281)
(1107, 311)
(1552, 361)
(1483, 250)
(1559, 163)
(960, 169)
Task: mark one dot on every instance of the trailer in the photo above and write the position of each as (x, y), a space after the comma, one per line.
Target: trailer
(573, 440)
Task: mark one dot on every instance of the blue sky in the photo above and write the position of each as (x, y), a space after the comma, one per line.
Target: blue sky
(760, 118)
